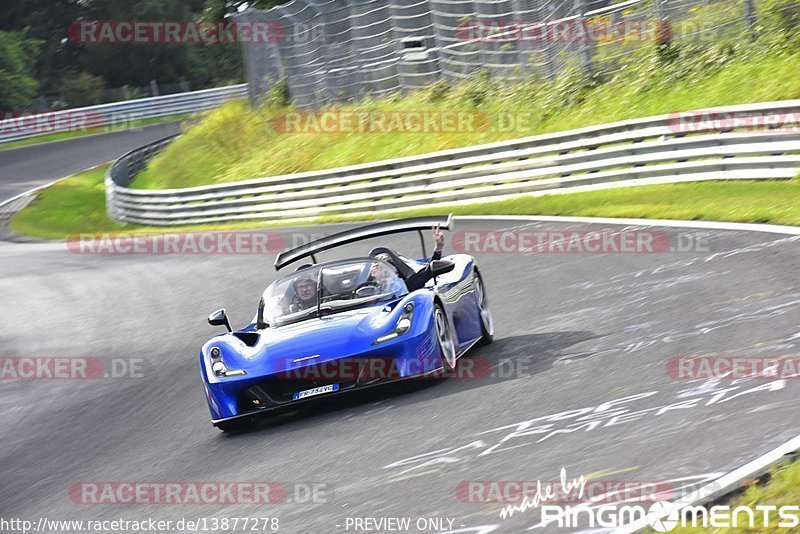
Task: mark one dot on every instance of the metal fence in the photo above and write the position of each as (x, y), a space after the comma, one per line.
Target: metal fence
(117, 115)
(635, 152)
(340, 50)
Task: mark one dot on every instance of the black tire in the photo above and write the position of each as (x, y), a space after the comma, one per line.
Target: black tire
(487, 321)
(444, 338)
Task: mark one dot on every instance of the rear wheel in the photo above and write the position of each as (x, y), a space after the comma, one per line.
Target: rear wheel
(444, 336)
(487, 320)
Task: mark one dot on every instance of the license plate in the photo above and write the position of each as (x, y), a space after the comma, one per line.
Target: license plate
(315, 391)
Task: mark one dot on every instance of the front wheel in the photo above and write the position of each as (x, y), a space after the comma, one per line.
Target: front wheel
(487, 320)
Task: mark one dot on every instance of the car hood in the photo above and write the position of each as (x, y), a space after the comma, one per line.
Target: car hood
(309, 342)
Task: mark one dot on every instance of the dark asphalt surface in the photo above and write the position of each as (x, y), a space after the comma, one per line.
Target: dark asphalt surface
(585, 332)
(27, 167)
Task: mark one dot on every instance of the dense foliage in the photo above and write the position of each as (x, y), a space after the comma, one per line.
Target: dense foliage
(17, 82)
(37, 56)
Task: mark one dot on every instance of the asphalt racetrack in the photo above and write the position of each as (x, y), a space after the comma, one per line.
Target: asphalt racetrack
(26, 167)
(579, 382)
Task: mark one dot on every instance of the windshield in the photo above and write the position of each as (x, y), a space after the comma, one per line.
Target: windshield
(321, 290)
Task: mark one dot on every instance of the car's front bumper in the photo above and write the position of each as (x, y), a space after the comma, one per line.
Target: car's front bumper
(247, 395)
(277, 407)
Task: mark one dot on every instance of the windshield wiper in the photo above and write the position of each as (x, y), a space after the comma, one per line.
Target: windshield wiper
(325, 310)
(352, 304)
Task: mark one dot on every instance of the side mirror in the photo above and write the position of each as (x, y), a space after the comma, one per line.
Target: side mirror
(439, 267)
(220, 318)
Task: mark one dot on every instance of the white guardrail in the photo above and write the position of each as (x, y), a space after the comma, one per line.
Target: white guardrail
(116, 114)
(648, 150)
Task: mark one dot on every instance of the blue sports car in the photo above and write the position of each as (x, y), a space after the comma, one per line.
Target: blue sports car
(332, 327)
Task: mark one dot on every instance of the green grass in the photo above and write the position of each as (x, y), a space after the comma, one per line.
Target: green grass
(773, 202)
(236, 142)
(781, 487)
(90, 131)
(66, 207)
(77, 205)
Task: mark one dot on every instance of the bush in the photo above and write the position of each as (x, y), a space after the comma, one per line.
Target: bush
(279, 95)
(438, 91)
(474, 91)
(82, 89)
(781, 14)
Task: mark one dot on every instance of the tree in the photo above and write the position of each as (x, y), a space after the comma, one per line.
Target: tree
(45, 21)
(39, 55)
(17, 83)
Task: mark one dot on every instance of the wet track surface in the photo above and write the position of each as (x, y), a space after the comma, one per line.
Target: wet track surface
(584, 336)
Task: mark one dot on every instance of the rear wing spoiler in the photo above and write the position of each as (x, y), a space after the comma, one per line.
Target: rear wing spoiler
(396, 226)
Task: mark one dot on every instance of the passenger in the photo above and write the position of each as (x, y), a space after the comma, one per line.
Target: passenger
(421, 277)
(384, 276)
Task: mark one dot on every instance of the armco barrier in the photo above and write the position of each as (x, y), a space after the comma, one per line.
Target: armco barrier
(641, 149)
(116, 114)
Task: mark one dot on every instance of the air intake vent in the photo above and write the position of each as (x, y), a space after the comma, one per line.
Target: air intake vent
(248, 338)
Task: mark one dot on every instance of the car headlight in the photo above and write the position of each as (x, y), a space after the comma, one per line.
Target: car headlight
(403, 324)
(219, 368)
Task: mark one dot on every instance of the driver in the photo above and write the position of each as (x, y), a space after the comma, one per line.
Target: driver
(383, 276)
(421, 277)
(305, 294)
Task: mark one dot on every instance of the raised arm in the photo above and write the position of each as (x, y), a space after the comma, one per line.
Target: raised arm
(438, 243)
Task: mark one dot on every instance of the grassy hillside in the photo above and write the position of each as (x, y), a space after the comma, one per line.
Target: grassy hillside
(237, 142)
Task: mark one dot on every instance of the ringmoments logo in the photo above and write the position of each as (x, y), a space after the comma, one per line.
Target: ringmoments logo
(664, 516)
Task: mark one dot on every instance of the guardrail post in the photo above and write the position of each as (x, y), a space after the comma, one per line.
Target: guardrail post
(658, 10)
(663, 31)
(584, 47)
(750, 17)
